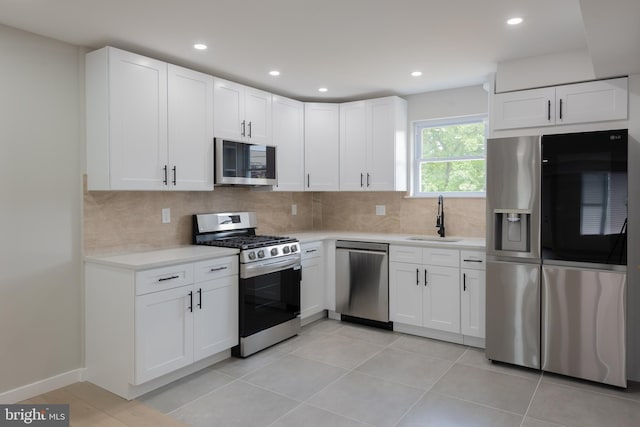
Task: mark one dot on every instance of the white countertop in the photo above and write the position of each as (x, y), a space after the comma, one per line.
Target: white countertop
(476, 243)
(162, 257)
(191, 253)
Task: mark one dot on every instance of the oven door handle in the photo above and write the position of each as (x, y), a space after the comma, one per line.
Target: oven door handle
(257, 269)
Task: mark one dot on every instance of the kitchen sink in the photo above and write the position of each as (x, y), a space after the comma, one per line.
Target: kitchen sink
(434, 239)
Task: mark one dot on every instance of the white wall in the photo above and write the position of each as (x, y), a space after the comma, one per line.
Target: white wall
(40, 216)
(545, 70)
(464, 101)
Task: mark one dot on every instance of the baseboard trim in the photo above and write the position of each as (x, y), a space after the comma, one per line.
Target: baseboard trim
(43, 386)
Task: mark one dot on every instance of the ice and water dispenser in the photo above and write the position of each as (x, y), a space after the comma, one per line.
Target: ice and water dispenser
(512, 230)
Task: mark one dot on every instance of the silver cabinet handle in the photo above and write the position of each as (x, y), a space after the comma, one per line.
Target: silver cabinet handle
(361, 180)
(417, 276)
(163, 279)
(368, 183)
(165, 180)
(243, 127)
(219, 268)
(175, 175)
(308, 180)
(249, 129)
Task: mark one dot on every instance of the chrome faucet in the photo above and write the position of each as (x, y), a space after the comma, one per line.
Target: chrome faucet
(440, 217)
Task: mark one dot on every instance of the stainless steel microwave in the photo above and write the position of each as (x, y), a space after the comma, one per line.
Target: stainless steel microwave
(242, 163)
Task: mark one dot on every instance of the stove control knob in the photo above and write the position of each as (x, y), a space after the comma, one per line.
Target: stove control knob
(252, 255)
(294, 248)
(286, 249)
(274, 251)
(260, 253)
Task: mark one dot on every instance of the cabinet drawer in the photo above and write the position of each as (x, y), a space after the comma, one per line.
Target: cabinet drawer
(410, 254)
(442, 257)
(159, 279)
(311, 250)
(216, 268)
(474, 260)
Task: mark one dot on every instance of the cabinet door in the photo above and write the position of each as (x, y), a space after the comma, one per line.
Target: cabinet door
(523, 109)
(472, 303)
(441, 299)
(215, 309)
(163, 333)
(138, 121)
(190, 130)
(322, 146)
(386, 151)
(405, 293)
(228, 110)
(312, 287)
(353, 146)
(288, 137)
(592, 101)
(257, 116)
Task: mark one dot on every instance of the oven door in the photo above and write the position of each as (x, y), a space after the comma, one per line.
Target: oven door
(269, 294)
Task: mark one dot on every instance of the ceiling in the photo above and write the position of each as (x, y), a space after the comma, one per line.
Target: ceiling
(355, 48)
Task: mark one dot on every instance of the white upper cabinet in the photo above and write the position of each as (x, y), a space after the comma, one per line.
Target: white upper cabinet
(592, 102)
(190, 129)
(241, 113)
(147, 124)
(603, 100)
(524, 109)
(373, 145)
(353, 145)
(322, 146)
(288, 137)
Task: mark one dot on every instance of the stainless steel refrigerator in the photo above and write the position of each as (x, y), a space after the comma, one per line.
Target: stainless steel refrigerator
(556, 253)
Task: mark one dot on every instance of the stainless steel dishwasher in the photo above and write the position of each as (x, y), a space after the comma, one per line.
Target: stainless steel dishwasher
(362, 282)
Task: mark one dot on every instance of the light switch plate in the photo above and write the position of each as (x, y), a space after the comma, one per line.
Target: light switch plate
(166, 215)
(381, 210)
(294, 209)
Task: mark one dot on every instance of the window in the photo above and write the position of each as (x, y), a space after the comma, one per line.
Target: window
(450, 157)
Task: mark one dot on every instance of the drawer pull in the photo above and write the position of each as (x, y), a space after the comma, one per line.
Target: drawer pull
(163, 279)
(218, 268)
(472, 260)
(308, 251)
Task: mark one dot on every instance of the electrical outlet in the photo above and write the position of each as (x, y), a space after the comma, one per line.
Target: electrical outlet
(381, 210)
(294, 209)
(166, 215)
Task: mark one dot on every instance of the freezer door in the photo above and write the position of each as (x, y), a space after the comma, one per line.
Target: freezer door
(583, 328)
(513, 313)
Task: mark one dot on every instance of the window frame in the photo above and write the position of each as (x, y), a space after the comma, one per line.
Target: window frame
(417, 159)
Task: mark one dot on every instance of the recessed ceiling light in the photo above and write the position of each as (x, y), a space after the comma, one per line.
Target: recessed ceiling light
(200, 46)
(274, 73)
(514, 21)
(416, 73)
(322, 89)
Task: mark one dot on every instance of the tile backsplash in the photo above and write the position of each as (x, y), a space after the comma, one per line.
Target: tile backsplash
(119, 221)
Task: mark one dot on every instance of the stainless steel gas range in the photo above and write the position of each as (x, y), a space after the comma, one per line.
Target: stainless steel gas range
(269, 277)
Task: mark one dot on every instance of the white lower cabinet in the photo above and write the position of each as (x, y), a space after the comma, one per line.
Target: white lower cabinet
(424, 295)
(472, 300)
(428, 289)
(312, 285)
(142, 325)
